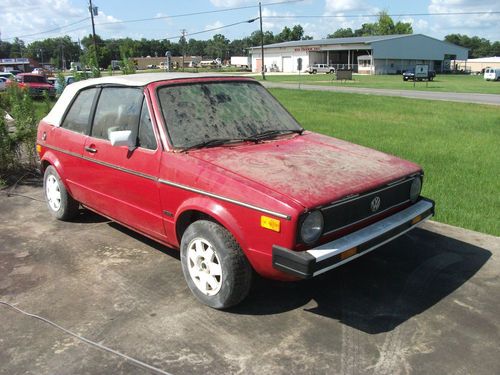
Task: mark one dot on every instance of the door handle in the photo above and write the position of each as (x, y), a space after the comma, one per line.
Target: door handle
(90, 149)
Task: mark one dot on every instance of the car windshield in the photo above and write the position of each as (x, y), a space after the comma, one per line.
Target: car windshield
(34, 79)
(204, 113)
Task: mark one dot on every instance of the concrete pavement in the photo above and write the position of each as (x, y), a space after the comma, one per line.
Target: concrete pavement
(426, 303)
(491, 99)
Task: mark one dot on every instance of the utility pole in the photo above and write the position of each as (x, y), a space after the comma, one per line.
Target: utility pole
(184, 42)
(91, 10)
(263, 67)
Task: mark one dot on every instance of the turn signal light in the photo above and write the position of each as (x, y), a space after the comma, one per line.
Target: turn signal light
(38, 148)
(270, 223)
(349, 253)
(416, 219)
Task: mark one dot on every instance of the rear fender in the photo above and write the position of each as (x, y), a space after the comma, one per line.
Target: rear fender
(50, 158)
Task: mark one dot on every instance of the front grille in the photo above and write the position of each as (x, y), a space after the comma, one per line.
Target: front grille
(351, 211)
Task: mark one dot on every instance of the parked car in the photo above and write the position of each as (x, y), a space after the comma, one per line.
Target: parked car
(3, 83)
(320, 68)
(36, 84)
(214, 166)
(7, 75)
(68, 80)
(492, 74)
(409, 75)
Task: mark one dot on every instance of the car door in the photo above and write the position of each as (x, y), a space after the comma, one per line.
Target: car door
(67, 141)
(122, 182)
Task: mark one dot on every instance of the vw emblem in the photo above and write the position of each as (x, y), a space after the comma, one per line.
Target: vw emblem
(375, 204)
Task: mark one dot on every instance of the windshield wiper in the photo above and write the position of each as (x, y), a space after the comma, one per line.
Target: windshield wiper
(272, 133)
(212, 143)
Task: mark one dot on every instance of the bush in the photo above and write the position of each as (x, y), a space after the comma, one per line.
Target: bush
(17, 145)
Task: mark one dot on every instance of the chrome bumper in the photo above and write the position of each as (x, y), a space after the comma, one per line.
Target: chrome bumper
(313, 262)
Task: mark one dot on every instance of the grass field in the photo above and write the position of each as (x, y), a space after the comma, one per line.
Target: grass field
(442, 82)
(456, 144)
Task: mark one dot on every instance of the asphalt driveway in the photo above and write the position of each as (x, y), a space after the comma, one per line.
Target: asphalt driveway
(427, 303)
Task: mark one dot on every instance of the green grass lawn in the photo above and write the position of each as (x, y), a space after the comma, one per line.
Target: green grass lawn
(458, 145)
(442, 82)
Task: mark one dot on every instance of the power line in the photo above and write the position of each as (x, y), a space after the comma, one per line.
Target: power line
(152, 18)
(390, 15)
(197, 13)
(49, 31)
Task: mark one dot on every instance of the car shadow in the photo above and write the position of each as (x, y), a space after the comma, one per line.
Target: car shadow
(377, 292)
(139, 237)
(374, 293)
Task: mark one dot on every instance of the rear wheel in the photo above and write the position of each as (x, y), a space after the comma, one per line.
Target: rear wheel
(60, 203)
(315, 71)
(214, 266)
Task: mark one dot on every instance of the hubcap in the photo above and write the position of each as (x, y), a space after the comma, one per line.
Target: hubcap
(204, 266)
(53, 193)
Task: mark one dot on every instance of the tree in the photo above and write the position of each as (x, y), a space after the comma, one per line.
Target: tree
(478, 47)
(384, 26)
(342, 33)
(217, 47)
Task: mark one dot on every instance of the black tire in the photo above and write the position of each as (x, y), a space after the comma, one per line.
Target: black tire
(236, 275)
(66, 207)
(315, 71)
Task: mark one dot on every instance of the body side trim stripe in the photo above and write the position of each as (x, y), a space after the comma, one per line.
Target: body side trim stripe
(225, 199)
(170, 183)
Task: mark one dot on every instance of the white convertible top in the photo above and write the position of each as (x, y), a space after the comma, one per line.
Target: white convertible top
(134, 80)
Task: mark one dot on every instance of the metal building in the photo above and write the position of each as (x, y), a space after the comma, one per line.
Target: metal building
(385, 54)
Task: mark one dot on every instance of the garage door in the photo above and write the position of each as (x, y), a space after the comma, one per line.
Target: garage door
(287, 64)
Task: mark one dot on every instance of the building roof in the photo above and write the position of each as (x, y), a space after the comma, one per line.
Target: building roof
(319, 42)
(135, 80)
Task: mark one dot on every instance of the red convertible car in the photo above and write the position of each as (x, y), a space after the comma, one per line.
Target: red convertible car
(216, 167)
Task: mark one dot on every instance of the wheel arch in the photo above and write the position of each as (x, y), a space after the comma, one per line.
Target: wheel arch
(202, 208)
(50, 159)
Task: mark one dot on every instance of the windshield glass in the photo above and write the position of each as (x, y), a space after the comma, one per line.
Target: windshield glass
(200, 112)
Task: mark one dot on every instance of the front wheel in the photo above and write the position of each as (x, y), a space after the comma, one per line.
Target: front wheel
(214, 266)
(60, 203)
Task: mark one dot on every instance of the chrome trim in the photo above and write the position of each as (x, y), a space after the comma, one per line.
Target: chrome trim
(366, 218)
(369, 233)
(121, 169)
(390, 185)
(225, 199)
(169, 183)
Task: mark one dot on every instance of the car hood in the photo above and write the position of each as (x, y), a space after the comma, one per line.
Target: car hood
(311, 169)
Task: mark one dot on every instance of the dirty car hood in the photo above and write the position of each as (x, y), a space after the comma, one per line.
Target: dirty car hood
(311, 169)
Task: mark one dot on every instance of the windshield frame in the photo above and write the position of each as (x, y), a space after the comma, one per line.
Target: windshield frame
(208, 80)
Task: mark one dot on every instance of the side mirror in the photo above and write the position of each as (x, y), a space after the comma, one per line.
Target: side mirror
(122, 138)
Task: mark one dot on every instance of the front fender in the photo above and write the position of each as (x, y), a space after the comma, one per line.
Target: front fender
(214, 209)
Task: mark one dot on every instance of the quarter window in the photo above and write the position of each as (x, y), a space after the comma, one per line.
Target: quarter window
(118, 109)
(77, 118)
(146, 135)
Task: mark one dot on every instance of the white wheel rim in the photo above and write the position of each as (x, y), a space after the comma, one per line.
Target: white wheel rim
(204, 266)
(53, 193)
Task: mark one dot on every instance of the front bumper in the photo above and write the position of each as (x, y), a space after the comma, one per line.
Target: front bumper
(313, 262)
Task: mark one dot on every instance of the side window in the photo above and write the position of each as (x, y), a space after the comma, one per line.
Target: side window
(119, 108)
(77, 118)
(146, 135)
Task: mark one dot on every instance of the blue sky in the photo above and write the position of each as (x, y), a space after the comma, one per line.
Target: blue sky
(25, 17)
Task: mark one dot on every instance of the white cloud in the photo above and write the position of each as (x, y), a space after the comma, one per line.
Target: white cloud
(230, 3)
(20, 19)
(342, 6)
(485, 25)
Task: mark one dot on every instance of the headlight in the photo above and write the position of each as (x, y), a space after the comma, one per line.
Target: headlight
(416, 187)
(312, 227)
